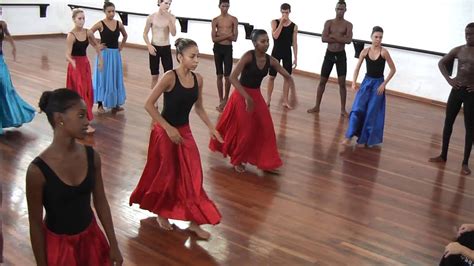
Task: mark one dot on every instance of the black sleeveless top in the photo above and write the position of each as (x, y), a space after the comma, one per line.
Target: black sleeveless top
(79, 47)
(179, 101)
(110, 38)
(285, 40)
(375, 68)
(68, 208)
(252, 76)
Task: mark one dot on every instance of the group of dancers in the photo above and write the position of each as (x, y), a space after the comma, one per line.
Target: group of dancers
(65, 175)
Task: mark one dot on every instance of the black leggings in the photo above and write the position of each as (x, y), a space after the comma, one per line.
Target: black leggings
(456, 98)
(467, 240)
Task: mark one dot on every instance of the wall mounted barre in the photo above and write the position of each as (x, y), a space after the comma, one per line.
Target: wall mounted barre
(183, 21)
(42, 7)
(359, 45)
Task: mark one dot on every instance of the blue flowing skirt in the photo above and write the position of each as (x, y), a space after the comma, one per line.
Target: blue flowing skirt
(14, 111)
(367, 117)
(108, 83)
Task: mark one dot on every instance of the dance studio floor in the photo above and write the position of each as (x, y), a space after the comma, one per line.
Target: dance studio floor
(330, 205)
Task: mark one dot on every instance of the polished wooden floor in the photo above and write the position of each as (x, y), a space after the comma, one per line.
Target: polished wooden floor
(330, 206)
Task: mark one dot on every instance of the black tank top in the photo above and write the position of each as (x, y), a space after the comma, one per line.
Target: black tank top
(285, 40)
(252, 76)
(179, 101)
(375, 68)
(79, 47)
(110, 38)
(68, 208)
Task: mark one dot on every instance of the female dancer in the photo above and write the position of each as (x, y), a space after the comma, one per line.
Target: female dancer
(246, 124)
(79, 70)
(367, 117)
(62, 179)
(109, 90)
(171, 183)
(460, 252)
(14, 111)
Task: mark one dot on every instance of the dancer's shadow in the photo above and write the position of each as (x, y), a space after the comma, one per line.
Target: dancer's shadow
(154, 246)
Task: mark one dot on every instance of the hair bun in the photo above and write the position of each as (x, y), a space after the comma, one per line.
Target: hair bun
(44, 100)
(178, 41)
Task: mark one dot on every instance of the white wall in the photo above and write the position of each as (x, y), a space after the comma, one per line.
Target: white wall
(436, 25)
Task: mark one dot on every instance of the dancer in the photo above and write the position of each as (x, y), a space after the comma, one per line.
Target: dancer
(162, 24)
(62, 179)
(462, 93)
(337, 33)
(246, 124)
(171, 183)
(284, 33)
(14, 111)
(79, 69)
(224, 32)
(109, 90)
(367, 117)
(460, 252)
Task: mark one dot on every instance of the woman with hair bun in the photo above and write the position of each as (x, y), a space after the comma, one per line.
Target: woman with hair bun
(14, 111)
(171, 183)
(367, 118)
(109, 90)
(62, 179)
(246, 124)
(79, 77)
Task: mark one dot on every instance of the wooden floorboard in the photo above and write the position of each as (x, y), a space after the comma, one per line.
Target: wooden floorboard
(330, 205)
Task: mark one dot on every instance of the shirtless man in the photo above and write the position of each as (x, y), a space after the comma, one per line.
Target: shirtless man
(224, 32)
(162, 24)
(337, 33)
(284, 33)
(462, 93)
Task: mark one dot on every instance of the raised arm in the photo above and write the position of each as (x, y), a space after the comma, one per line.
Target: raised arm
(276, 30)
(102, 208)
(124, 35)
(34, 196)
(443, 66)
(172, 24)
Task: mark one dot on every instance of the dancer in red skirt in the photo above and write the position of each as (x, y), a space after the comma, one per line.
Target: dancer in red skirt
(171, 183)
(79, 77)
(246, 124)
(62, 179)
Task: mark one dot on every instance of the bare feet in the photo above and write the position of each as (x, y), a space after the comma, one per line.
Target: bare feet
(90, 130)
(437, 159)
(164, 223)
(287, 105)
(465, 170)
(201, 233)
(313, 110)
(100, 110)
(239, 168)
(344, 113)
(346, 142)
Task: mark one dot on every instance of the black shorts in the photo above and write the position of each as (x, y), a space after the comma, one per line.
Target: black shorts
(331, 58)
(163, 53)
(284, 56)
(223, 59)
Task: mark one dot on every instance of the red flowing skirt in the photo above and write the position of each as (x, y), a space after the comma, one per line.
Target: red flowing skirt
(171, 183)
(79, 79)
(89, 247)
(249, 137)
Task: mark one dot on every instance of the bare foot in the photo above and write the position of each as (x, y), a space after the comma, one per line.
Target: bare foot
(344, 113)
(437, 159)
(465, 170)
(287, 105)
(90, 130)
(201, 233)
(100, 110)
(164, 223)
(346, 142)
(239, 168)
(313, 110)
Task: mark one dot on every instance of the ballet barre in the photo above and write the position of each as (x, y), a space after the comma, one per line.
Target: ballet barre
(183, 21)
(42, 7)
(359, 45)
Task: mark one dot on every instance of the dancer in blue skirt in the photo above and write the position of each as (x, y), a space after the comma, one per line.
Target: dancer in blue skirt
(366, 120)
(14, 111)
(109, 91)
